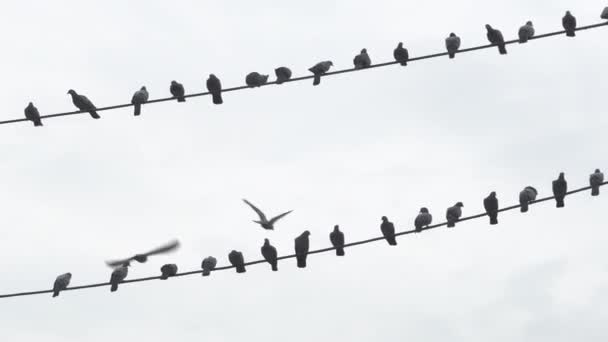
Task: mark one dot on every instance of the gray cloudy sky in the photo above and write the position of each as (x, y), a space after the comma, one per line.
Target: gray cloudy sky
(380, 142)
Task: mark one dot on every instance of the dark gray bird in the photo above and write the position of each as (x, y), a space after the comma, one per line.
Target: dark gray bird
(452, 44)
(168, 270)
(236, 259)
(362, 60)
(270, 254)
(208, 265)
(595, 180)
(569, 24)
(320, 69)
(388, 231)
(118, 275)
(302, 245)
(337, 240)
(560, 187)
(490, 203)
(141, 96)
(401, 54)
(283, 74)
(527, 195)
(526, 32)
(453, 214)
(84, 104)
(141, 258)
(177, 90)
(495, 37)
(32, 114)
(214, 86)
(604, 14)
(255, 79)
(61, 283)
(423, 219)
(264, 222)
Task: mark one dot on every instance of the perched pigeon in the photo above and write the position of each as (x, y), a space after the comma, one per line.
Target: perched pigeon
(141, 258)
(270, 254)
(452, 44)
(255, 79)
(118, 275)
(604, 14)
(177, 90)
(560, 187)
(32, 114)
(527, 195)
(495, 37)
(237, 260)
(595, 180)
(337, 240)
(526, 32)
(320, 69)
(490, 203)
(264, 222)
(168, 270)
(283, 74)
(569, 24)
(388, 231)
(140, 96)
(401, 54)
(61, 283)
(214, 86)
(208, 265)
(301, 247)
(453, 214)
(84, 104)
(423, 219)
(362, 60)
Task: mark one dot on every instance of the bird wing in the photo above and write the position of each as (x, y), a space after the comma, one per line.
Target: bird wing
(258, 211)
(168, 247)
(276, 218)
(85, 101)
(116, 263)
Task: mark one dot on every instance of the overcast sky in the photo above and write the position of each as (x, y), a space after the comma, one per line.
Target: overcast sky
(379, 142)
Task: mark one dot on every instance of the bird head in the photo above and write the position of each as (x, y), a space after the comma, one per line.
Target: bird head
(68, 275)
(30, 104)
(424, 210)
(488, 27)
(144, 88)
(71, 92)
(173, 83)
(529, 23)
(568, 13)
(212, 76)
(561, 176)
(452, 34)
(141, 258)
(597, 171)
(363, 50)
(400, 45)
(330, 63)
(384, 219)
(493, 194)
(266, 242)
(459, 204)
(336, 228)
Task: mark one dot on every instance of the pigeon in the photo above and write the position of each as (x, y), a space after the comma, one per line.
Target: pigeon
(388, 231)
(526, 32)
(560, 187)
(168, 270)
(595, 180)
(490, 203)
(452, 44)
(337, 240)
(177, 90)
(32, 114)
(569, 24)
(527, 195)
(453, 214)
(140, 96)
(604, 14)
(264, 222)
(84, 104)
(61, 283)
(401, 54)
(495, 37)
(320, 69)
(270, 254)
(423, 219)
(208, 265)
(255, 79)
(362, 60)
(141, 258)
(237, 260)
(301, 247)
(214, 86)
(283, 74)
(118, 275)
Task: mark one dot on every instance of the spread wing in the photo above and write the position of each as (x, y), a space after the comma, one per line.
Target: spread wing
(258, 211)
(173, 245)
(276, 218)
(116, 263)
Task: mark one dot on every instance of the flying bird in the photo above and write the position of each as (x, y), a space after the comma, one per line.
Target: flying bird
(595, 180)
(236, 259)
(569, 24)
(490, 203)
(337, 240)
(320, 69)
(495, 37)
(269, 252)
(84, 104)
(208, 265)
(141, 258)
(362, 60)
(141, 96)
(61, 283)
(560, 187)
(283, 74)
(388, 231)
(453, 214)
(401, 54)
(604, 14)
(214, 86)
(526, 32)
(118, 275)
(32, 114)
(527, 195)
(452, 44)
(301, 247)
(168, 270)
(255, 79)
(177, 90)
(264, 222)
(423, 219)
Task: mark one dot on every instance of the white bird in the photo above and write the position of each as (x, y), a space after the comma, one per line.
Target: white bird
(264, 222)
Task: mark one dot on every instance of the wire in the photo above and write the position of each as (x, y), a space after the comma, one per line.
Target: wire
(302, 78)
(318, 251)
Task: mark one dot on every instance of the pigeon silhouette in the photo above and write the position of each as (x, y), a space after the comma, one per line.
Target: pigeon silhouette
(140, 97)
(423, 219)
(452, 44)
(237, 260)
(569, 24)
(283, 74)
(604, 14)
(526, 32)
(527, 195)
(177, 90)
(61, 283)
(337, 240)
(490, 203)
(32, 114)
(255, 79)
(84, 104)
(270, 254)
(495, 37)
(453, 214)
(214, 86)
(208, 265)
(301, 247)
(320, 69)
(264, 222)
(388, 231)
(362, 60)
(168, 270)
(560, 187)
(118, 275)
(401, 54)
(141, 258)
(595, 180)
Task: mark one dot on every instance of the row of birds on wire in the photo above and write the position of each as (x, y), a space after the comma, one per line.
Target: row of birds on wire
(283, 74)
(336, 237)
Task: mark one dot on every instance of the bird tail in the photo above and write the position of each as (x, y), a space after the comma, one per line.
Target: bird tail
(37, 123)
(206, 273)
(451, 224)
(55, 293)
(595, 191)
(340, 251)
(418, 229)
(164, 277)
(94, 115)
(317, 80)
(275, 266)
(181, 99)
(571, 33)
(217, 98)
(493, 219)
(559, 202)
(391, 240)
(502, 49)
(136, 109)
(114, 287)
(301, 261)
(524, 207)
(241, 269)
(451, 54)
(523, 39)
